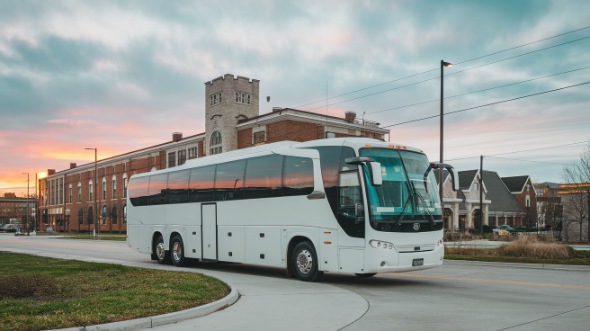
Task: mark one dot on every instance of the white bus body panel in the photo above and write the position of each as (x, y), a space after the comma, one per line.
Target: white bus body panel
(209, 230)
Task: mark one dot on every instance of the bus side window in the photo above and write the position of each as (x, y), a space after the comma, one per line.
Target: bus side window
(349, 197)
(263, 177)
(297, 176)
(229, 180)
(138, 191)
(178, 186)
(157, 189)
(201, 184)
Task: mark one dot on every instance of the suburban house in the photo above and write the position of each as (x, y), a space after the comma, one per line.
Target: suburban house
(500, 203)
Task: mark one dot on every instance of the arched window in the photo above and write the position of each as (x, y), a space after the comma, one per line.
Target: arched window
(114, 215)
(80, 216)
(215, 138)
(90, 216)
(215, 143)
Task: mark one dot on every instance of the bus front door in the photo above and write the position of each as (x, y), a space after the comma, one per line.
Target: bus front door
(209, 231)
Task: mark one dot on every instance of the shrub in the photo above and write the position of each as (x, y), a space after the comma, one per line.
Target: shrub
(532, 247)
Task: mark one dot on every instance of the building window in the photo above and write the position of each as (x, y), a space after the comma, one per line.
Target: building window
(90, 190)
(114, 187)
(528, 200)
(103, 215)
(80, 216)
(215, 141)
(242, 97)
(79, 192)
(192, 153)
(125, 186)
(171, 159)
(114, 215)
(476, 187)
(90, 216)
(215, 98)
(258, 137)
(181, 157)
(70, 194)
(330, 134)
(104, 188)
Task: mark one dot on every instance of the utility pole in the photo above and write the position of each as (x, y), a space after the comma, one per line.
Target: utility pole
(481, 194)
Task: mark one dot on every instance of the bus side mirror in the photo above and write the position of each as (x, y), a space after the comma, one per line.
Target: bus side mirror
(376, 176)
(374, 168)
(441, 167)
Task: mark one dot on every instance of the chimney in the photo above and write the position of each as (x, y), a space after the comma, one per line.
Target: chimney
(72, 165)
(176, 136)
(50, 172)
(350, 116)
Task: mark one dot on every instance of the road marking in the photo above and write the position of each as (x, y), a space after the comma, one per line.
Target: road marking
(494, 281)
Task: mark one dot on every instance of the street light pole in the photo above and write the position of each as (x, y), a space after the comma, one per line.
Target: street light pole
(95, 214)
(28, 209)
(443, 64)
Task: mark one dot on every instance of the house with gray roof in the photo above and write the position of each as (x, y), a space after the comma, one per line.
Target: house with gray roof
(463, 207)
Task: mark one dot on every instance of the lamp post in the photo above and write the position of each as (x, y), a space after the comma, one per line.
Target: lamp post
(28, 209)
(443, 64)
(95, 214)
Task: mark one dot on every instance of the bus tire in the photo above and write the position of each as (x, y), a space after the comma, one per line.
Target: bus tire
(366, 275)
(304, 262)
(162, 255)
(177, 251)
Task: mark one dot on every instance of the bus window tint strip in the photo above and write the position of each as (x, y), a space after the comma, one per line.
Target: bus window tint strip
(261, 177)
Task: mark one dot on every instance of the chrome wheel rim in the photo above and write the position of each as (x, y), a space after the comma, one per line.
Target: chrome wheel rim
(176, 251)
(161, 251)
(304, 261)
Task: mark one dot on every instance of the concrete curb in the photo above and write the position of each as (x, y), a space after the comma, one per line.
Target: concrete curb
(159, 320)
(561, 267)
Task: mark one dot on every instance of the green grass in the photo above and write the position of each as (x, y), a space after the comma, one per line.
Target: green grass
(89, 236)
(523, 250)
(38, 293)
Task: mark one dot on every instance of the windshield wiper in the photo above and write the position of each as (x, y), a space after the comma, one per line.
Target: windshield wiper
(412, 197)
(424, 207)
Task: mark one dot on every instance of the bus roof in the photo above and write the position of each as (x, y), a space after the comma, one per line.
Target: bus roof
(355, 143)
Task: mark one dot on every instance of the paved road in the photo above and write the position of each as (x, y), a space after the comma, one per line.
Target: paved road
(457, 296)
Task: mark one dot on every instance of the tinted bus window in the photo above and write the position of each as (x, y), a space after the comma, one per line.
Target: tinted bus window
(332, 162)
(138, 191)
(201, 184)
(178, 186)
(297, 176)
(263, 177)
(157, 190)
(229, 180)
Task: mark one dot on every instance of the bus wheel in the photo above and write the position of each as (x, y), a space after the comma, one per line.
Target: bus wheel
(304, 262)
(366, 275)
(162, 255)
(177, 251)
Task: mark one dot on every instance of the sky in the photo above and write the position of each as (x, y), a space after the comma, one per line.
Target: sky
(125, 75)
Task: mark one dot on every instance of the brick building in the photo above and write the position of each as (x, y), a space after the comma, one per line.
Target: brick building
(68, 199)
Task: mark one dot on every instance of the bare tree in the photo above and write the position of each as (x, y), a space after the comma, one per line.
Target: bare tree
(577, 176)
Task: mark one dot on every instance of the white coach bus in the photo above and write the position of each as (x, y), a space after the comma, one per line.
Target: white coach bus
(345, 205)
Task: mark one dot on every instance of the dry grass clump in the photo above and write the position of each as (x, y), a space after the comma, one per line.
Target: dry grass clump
(459, 236)
(531, 247)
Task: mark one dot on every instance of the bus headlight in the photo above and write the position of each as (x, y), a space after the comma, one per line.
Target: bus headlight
(380, 244)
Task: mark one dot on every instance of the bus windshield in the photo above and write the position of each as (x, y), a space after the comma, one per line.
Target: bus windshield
(408, 195)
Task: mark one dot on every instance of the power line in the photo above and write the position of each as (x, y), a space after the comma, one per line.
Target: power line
(523, 150)
(487, 104)
(457, 63)
(479, 91)
(450, 74)
(531, 161)
(519, 55)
